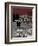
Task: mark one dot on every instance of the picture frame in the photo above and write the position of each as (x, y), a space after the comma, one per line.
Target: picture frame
(20, 22)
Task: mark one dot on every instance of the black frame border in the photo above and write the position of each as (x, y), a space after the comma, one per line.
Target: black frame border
(7, 8)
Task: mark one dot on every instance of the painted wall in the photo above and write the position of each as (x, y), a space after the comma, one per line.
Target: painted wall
(21, 10)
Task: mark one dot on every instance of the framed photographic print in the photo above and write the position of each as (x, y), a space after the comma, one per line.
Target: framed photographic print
(20, 22)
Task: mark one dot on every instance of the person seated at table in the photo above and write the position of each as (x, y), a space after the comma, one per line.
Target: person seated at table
(15, 17)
